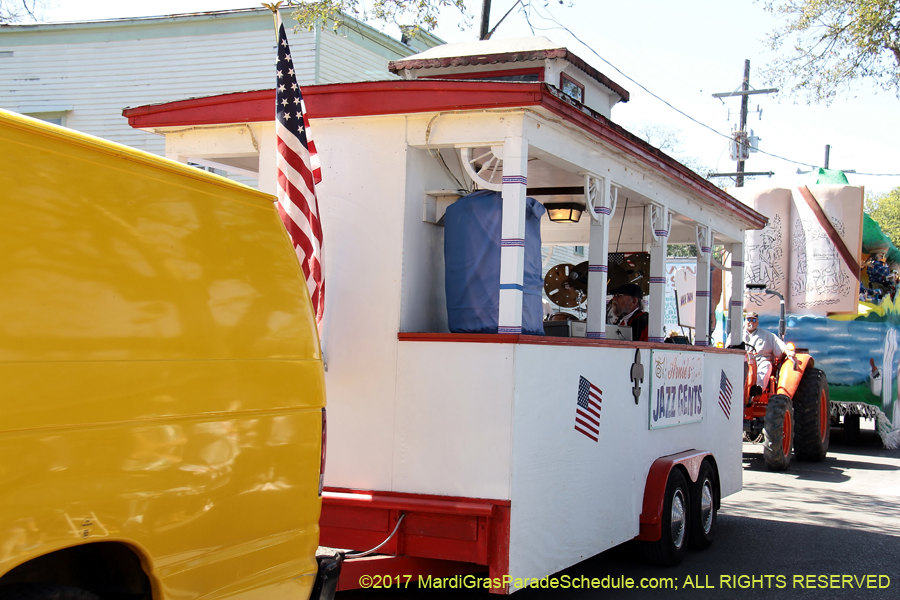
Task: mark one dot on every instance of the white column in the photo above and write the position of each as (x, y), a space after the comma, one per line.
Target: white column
(736, 305)
(659, 224)
(172, 151)
(701, 296)
(601, 199)
(512, 242)
(268, 180)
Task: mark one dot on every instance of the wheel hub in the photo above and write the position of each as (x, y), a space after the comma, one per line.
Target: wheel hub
(706, 506)
(678, 519)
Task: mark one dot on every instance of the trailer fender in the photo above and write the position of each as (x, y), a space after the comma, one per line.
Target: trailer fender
(654, 490)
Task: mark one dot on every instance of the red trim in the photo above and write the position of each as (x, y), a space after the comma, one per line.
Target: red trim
(655, 489)
(538, 340)
(403, 97)
(498, 550)
(439, 536)
(486, 75)
(240, 107)
(563, 78)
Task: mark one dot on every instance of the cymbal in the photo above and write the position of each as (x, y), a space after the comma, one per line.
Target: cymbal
(566, 285)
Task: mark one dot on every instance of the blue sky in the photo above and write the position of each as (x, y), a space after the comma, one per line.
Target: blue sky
(682, 52)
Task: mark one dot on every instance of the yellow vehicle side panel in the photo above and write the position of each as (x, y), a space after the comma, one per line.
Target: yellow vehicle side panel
(107, 257)
(162, 380)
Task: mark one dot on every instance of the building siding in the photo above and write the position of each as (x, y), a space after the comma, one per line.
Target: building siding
(92, 71)
(342, 61)
(98, 79)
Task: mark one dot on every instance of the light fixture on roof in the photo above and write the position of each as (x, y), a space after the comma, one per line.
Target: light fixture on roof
(564, 212)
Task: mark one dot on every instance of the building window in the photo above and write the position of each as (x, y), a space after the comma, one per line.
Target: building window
(579, 250)
(57, 117)
(571, 88)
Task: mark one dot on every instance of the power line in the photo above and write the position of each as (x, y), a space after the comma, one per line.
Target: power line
(682, 113)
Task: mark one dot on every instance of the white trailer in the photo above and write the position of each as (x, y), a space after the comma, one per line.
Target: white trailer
(472, 452)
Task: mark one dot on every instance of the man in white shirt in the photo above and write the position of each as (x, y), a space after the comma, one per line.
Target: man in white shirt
(766, 345)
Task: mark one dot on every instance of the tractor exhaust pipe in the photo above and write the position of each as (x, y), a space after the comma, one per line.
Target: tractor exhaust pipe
(761, 287)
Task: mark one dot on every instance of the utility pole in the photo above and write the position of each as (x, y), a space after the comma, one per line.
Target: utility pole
(827, 152)
(485, 20)
(741, 136)
(745, 87)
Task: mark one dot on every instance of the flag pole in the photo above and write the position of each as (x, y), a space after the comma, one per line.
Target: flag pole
(274, 7)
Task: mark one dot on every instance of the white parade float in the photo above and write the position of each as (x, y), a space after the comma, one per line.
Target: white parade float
(513, 454)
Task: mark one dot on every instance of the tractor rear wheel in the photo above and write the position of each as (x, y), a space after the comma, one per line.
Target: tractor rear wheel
(778, 433)
(811, 409)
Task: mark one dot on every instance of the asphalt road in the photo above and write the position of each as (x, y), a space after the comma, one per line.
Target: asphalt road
(840, 517)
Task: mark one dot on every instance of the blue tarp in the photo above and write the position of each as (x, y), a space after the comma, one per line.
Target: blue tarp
(472, 232)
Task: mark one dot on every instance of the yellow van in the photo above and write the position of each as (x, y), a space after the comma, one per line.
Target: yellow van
(161, 385)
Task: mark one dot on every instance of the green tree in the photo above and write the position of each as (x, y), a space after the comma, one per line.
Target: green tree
(885, 210)
(409, 15)
(824, 46)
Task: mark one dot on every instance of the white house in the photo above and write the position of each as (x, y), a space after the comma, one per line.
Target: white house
(83, 74)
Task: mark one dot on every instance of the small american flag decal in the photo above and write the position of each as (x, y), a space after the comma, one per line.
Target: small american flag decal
(725, 395)
(587, 409)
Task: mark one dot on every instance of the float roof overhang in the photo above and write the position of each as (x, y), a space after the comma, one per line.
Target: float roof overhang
(643, 173)
(499, 52)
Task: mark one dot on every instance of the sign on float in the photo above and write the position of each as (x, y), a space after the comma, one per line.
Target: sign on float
(676, 388)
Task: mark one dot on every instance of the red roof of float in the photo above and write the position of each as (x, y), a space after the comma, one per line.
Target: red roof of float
(371, 98)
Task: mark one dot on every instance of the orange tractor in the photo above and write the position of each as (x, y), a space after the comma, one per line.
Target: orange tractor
(791, 412)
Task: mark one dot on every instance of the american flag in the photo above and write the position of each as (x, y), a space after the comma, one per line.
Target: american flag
(725, 395)
(587, 410)
(298, 173)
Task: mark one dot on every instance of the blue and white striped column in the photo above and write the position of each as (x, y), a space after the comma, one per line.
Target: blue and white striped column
(512, 242)
(659, 221)
(701, 296)
(598, 254)
(736, 305)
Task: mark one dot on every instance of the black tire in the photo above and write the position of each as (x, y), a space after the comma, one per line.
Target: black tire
(778, 433)
(672, 545)
(851, 435)
(44, 591)
(704, 507)
(813, 422)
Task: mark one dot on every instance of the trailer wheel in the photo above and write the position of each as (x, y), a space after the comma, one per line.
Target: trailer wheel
(851, 434)
(704, 500)
(778, 433)
(672, 545)
(811, 408)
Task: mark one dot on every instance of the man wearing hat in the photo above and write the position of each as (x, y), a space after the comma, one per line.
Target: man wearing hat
(627, 310)
(766, 345)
